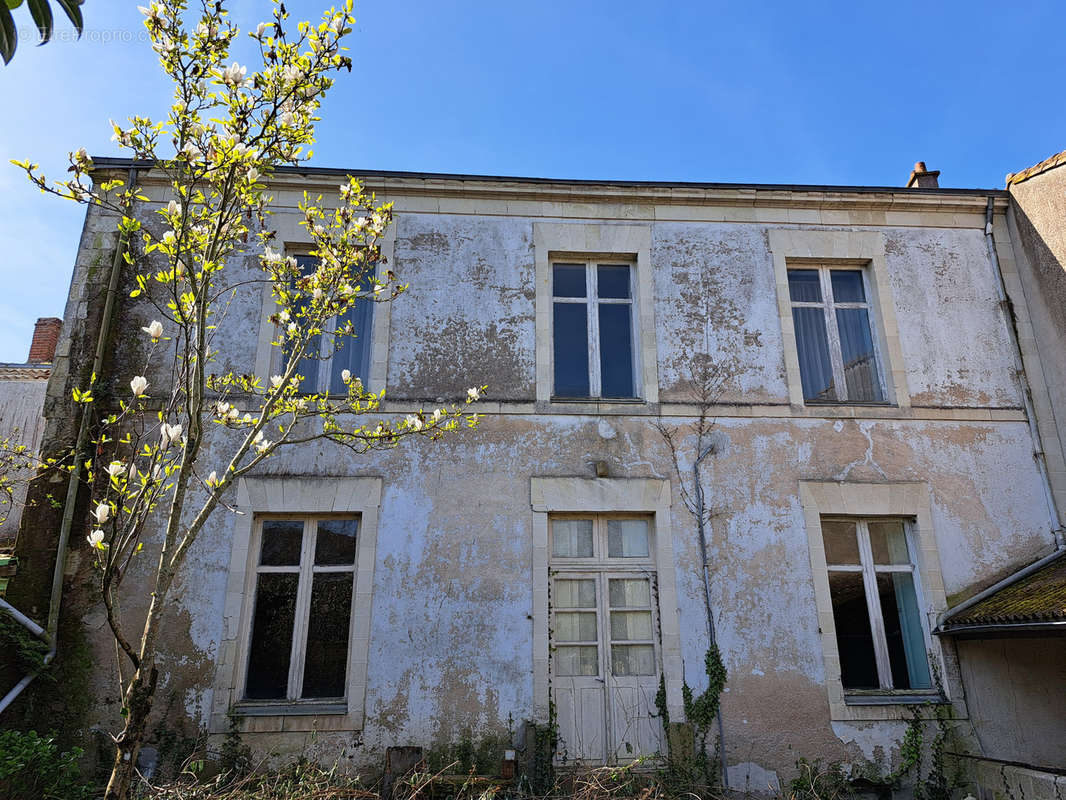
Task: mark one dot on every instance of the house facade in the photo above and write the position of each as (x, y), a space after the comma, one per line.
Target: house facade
(883, 448)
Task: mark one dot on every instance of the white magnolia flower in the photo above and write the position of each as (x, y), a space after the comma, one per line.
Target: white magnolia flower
(234, 74)
(221, 408)
(157, 471)
(169, 434)
(284, 315)
(82, 157)
(345, 189)
(275, 381)
(319, 230)
(191, 151)
(262, 445)
(414, 422)
(270, 254)
(173, 207)
(102, 513)
(153, 12)
(154, 329)
(252, 174)
(260, 29)
(247, 419)
(138, 385)
(337, 24)
(132, 474)
(317, 293)
(115, 468)
(346, 375)
(473, 393)
(286, 118)
(292, 74)
(212, 479)
(292, 329)
(233, 414)
(437, 414)
(169, 237)
(96, 539)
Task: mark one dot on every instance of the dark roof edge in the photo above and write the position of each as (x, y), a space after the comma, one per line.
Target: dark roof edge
(1001, 628)
(127, 163)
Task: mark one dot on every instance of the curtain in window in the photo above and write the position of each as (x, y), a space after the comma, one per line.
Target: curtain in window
(352, 352)
(857, 351)
(911, 631)
(816, 371)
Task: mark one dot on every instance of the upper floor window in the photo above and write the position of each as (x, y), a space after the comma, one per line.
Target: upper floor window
(593, 330)
(837, 357)
(872, 586)
(329, 356)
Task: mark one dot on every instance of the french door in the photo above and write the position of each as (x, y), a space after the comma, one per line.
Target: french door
(604, 640)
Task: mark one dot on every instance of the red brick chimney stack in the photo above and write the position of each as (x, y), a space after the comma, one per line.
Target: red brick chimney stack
(923, 178)
(45, 339)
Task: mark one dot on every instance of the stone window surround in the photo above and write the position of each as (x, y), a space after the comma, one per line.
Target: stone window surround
(905, 499)
(794, 247)
(604, 496)
(295, 240)
(561, 240)
(295, 495)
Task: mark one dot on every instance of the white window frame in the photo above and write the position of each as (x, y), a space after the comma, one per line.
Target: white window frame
(568, 242)
(829, 305)
(592, 302)
(869, 571)
(305, 570)
(259, 498)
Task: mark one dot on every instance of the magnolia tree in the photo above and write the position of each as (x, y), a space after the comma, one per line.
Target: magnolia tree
(174, 438)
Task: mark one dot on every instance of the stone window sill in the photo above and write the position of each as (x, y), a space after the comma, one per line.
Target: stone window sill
(305, 709)
(892, 698)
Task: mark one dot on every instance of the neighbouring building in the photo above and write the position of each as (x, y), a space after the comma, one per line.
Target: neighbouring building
(888, 444)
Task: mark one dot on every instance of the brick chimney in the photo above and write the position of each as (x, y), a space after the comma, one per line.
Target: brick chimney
(923, 178)
(45, 339)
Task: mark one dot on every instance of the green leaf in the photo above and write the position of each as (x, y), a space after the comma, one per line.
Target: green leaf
(8, 34)
(73, 9)
(42, 18)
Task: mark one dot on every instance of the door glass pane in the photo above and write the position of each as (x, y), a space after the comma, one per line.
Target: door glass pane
(572, 538)
(575, 593)
(841, 542)
(804, 286)
(627, 538)
(616, 350)
(579, 660)
(847, 286)
(632, 659)
(571, 349)
(629, 592)
(612, 281)
(335, 543)
(630, 625)
(568, 280)
(857, 351)
(903, 630)
(282, 539)
(351, 352)
(855, 642)
(575, 626)
(812, 345)
(326, 657)
(889, 542)
(270, 647)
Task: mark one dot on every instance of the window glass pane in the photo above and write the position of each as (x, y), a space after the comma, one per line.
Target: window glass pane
(858, 664)
(616, 350)
(631, 625)
(282, 539)
(804, 286)
(271, 644)
(612, 281)
(575, 593)
(571, 348)
(309, 364)
(352, 353)
(568, 280)
(575, 627)
(857, 352)
(579, 660)
(627, 538)
(336, 541)
(632, 659)
(889, 542)
(903, 630)
(629, 592)
(326, 657)
(841, 542)
(572, 538)
(812, 344)
(847, 286)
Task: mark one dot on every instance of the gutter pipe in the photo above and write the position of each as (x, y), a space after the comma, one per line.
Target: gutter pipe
(55, 601)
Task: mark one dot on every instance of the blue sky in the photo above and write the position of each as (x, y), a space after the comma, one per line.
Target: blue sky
(797, 92)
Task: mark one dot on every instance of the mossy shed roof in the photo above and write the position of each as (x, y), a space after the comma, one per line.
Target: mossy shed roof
(1037, 601)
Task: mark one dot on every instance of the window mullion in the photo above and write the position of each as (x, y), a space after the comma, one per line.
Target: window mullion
(595, 381)
(836, 357)
(303, 610)
(873, 605)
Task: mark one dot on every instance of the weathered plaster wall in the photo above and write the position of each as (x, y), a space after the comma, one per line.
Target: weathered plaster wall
(451, 638)
(21, 402)
(1016, 690)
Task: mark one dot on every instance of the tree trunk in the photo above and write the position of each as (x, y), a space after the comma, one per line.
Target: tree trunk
(137, 704)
